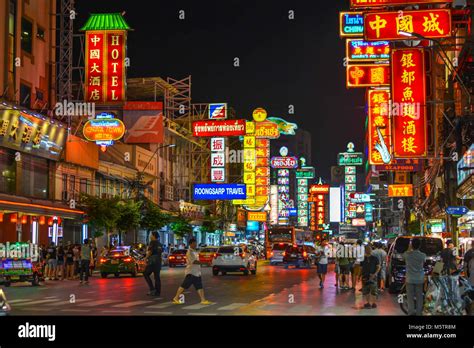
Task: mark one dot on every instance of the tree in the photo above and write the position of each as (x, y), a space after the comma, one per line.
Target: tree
(102, 214)
(129, 216)
(181, 227)
(209, 224)
(153, 218)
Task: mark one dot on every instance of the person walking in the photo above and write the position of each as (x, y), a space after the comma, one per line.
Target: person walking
(85, 262)
(322, 253)
(344, 271)
(61, 258)
(369, 269)
(356, 264)
(381, 255)
(153, 265)
(69, 263)
(52, 262)
(415, 277)
(192, 275)
(469, 263)
(77, 260)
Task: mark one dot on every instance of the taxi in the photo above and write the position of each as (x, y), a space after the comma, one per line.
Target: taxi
(206, 254)
(122, 260)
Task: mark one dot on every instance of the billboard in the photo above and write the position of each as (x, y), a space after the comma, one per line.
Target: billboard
(367, 75)
(379, 127)
(218, 111)
(409, 93)
(336, 205)
(144, 122)
(403, 190)
(226, 128)
(219, 191)
(431, 24)
(289, 162)
(351, 24)
(105, 66)
(367, 51)
(400, 165)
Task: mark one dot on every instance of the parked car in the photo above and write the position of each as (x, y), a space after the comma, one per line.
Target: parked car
(276, 255)
(299, 255)
(177, 258)
(206, 254)
(396, 268)
(122, 260)
(234, 259)
(20, 270)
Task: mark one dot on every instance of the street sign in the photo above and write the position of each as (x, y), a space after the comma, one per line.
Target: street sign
(457, 210)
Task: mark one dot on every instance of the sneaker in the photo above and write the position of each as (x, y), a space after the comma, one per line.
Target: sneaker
(206, 302)
(177, 302)
(367, 306)
(374, 305)
(151, 293)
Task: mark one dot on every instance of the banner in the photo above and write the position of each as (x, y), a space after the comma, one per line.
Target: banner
(144, 122)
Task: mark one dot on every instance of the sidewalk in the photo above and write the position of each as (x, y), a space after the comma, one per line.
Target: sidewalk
(307, 298)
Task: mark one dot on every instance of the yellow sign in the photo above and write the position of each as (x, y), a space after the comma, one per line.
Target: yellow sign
(243, 201)
(250, 190)
(250, 128)
(259, 114)
(257, 216)
(249, 178)
(249, 142)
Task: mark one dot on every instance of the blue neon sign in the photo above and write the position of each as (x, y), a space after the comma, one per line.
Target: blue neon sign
(219, 191)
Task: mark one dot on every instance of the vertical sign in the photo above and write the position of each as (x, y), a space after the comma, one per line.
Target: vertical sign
(379, 127)
(409, 94)
(105, 66)
(217, 159)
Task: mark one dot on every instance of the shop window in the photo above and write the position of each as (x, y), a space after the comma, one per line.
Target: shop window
(40, 34)
(34, 177)
(25, 95)
(26, 35)
(7, 171)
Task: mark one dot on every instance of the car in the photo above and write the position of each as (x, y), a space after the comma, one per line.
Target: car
(299, 255)
(20, 270)
(396, 268)
(122, 260)
(177, 258)
(234, 259)
(206, 255)
(276, 255)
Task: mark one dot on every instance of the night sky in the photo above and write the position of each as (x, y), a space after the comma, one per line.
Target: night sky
(282, 61)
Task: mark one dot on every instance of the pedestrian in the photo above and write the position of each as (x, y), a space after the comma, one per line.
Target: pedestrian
(415, 277)
(61, 258)
(93, 259)
(77, 260)
(69, 263)
(449, 256)
(356, 274)
(153, 265)
(336, 267)
(344, 270)
(369, 268)
(86, 254)
(52, 262)
(468, 256)
(192, 275)
(322, 254)
(381, 255)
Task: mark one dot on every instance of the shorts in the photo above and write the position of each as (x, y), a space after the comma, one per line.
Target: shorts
(60, 263)
(337, 269)
(192, 280)
(322, 268)
(382, 275)
(52, 262)
(344, 269)
(369, 287)
(356, 270)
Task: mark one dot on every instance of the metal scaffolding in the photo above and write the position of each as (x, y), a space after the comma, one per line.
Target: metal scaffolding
(64, 80)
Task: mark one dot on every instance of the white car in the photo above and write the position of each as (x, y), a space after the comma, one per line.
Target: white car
(231, 258)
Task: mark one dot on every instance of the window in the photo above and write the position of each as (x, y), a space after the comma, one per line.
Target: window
(39, 95)
(84, 185)
(72, 185)
(26, 35)
(25, 95)
(34, 177)
(7, 171)
(40, 33)
(97, 187)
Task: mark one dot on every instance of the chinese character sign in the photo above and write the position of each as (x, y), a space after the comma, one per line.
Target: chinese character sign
(217, 159)
(367, 75)
(388, 25)
(379, 126)
(409, 94)
(105, 66)
(379, 3)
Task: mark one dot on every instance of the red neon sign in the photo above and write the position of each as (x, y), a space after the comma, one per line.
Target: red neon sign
(105, 66)
(368, 75)
(226, 128)
(409, 98)
(388, 25)
(379, 3)
(379, 124)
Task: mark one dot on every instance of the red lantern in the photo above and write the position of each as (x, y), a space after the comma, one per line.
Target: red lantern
(24, 219)
(14, 217)
(42, 220)
(1, 217)
(50, 221)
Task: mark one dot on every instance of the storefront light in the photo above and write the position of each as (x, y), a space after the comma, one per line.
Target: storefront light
(13, 218)
(24, 219)
(1, 217)
(42, 220)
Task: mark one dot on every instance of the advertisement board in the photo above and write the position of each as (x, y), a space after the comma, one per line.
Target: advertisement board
(219, 191)
(144, 122)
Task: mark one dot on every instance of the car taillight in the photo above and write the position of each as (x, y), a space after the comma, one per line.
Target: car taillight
(271, 254)
(128, 259)
(103, 260)
(305, 254)
(284, 253)
(172, 257)
(217, 255)
(242, 255)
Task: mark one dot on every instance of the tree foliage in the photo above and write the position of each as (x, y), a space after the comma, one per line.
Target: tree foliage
(181, 227)
(152, 217)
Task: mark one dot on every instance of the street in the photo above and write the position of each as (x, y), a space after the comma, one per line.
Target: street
(273, 291)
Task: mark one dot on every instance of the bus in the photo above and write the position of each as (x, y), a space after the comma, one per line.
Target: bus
(279, 235)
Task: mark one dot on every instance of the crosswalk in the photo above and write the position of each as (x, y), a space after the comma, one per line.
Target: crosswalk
(89, 306)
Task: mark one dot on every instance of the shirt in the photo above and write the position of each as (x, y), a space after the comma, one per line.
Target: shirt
(449, 258)
(381, 255)
(191, 268)
(323, 255)
(369, 267)
(85, 252)
(415, 261)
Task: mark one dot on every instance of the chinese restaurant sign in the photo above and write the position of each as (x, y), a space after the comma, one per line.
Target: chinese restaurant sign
(380, 3)
(379, 126)
(105, 66)
(218, 159)
(400, 165)
(227, 128)
(351, 24)
(104, 129)
(367, 75)
(367, 51)
(409, 91)
(405, 190)
(388, 25)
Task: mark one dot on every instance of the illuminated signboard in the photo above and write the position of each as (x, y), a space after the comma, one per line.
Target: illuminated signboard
(105, 66)
(367, 51)
(319, 189)
(350, 159)
(218, 159)
(351, 24)
(31, 134)
(359, 222)
(380, 3)
(257, 216)
(284, 127)
(267, 130)
(307, 173)
(409, 92)
(367, 75)
(217, 111)
(318, 209)
(219, 191)
(403, 190)
(284, 162)
(379, 127)
(388, 25)
(226, 128)
(104, 128)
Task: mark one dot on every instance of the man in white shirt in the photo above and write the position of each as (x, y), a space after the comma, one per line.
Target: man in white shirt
(323, 252)
(193, 275)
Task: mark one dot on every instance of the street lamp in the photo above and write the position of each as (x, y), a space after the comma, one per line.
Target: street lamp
(446, 59)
